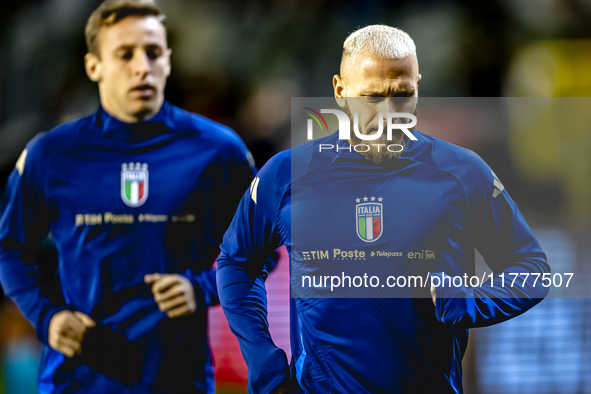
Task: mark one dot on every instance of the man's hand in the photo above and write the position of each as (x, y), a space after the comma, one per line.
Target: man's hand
(433, 295)
(173, 293)
(66, 331)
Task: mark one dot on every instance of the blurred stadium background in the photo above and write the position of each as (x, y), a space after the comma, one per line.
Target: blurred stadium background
(240, 62)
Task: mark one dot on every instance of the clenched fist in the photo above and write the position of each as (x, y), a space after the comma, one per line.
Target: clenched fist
(66, 331)
(173, 293)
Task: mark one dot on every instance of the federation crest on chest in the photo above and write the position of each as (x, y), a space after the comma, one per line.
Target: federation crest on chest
(134, 184)
(369, 219)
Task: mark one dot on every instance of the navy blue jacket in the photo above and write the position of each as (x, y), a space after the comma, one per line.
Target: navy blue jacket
(359, 236)
(121, 201)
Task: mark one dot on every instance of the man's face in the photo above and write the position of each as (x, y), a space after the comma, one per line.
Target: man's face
(372, 85)
(132, 67)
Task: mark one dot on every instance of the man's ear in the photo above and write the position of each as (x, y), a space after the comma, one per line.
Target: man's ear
(168, 67)
(93, 67)
(338, 85)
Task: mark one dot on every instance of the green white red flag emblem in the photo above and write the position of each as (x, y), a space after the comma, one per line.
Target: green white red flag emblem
(134, 184)
(370, 220)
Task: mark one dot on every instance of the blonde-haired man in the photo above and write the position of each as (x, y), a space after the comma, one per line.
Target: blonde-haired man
(136, 197)
(367, 231)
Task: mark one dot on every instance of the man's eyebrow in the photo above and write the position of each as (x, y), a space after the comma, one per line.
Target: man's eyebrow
(402, 89)
(373, 92)
(388, 92)
(124, 47)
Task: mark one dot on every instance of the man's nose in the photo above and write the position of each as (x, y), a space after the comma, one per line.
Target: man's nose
(140, 63)
(398, 104)
(388, 105)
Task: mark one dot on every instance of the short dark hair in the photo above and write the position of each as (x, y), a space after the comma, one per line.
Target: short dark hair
(111, 12)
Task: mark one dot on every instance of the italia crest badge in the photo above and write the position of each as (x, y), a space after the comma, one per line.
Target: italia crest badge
(369, 218)
(134, 184)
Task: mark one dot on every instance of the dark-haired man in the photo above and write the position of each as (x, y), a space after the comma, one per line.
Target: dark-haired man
(136, 198)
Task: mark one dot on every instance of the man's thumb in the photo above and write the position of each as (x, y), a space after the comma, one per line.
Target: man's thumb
(151, 278)
(85, 319)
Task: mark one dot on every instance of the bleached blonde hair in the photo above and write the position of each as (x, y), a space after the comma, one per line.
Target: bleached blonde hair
(378, 40)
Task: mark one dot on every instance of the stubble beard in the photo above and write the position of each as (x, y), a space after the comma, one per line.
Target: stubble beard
(380, 154)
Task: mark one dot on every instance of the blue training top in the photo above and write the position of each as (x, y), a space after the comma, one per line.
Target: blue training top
(357, 234)
(121, 201)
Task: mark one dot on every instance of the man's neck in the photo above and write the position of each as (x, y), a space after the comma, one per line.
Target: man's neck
(138, 117)
(144, 115)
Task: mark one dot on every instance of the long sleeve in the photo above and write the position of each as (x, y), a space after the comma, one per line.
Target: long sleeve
(498, 230)
(24, 223)
(252, 236)
(233, 174)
